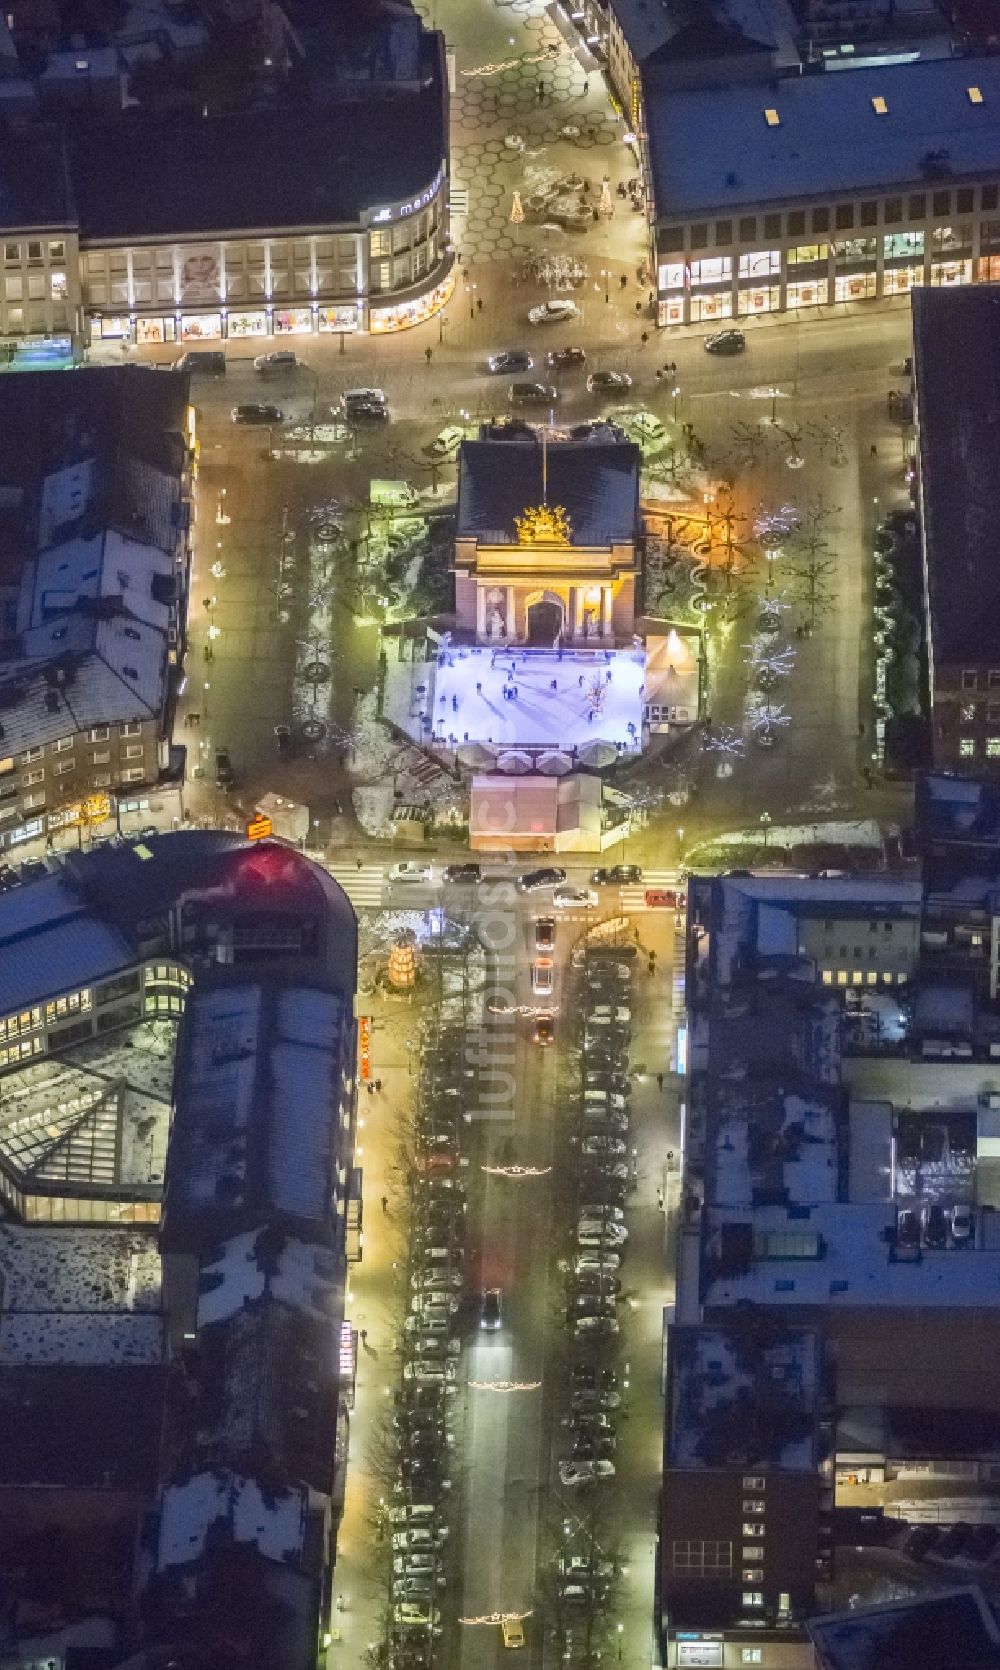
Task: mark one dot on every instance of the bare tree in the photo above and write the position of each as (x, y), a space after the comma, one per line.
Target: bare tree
(809, 563)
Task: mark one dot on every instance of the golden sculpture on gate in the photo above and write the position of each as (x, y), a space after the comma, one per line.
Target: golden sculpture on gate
(543, 524)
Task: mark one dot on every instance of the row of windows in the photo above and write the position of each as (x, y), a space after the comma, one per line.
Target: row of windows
(72, 1004)
(15, 1026)
(862, 977)
(971, 677)
(165, 257)
(843, 217)
(36, 287)
(62, 744)
(968, 748)
(847, 253)
(101, 756)
(160, 1003)
(20, 1052)
(970, 715)
(34, 250)
(702, 1558)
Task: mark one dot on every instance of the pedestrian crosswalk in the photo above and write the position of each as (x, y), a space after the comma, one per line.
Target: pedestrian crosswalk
(634, 898)
(363, 887)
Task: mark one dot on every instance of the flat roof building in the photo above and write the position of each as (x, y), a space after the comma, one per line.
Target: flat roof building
(957, 455)
(840, 1185)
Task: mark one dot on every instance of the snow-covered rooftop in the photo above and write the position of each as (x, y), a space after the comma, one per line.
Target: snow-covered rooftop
(299, 1275)
(275, 1526)
(738, 1399)
(79, 1297)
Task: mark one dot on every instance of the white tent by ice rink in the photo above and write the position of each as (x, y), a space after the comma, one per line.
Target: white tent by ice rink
(536, 814)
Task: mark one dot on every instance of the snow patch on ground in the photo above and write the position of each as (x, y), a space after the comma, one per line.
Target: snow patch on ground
(863, 833)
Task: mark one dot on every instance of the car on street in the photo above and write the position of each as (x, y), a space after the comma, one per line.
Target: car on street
(725, 342)
(282, 359)
(446, 444)
(408, 869)
(617, 875)
(418, 1536)
(601, 430)
(565, 898)
(509, 360)
(533, 394)
(507, 429)
(491, 1309)
(254, 412)
(541, 976)
(555, 311)
(532, 881)
(934, 1224)
(544, 1032)
(961, 1221)
(224, 774)
(580, 1565)
(466, 874)
(363, 405)
(561, 359)
(545, 933)
(585, 1472)
(608, 382)
(512, 1632)
(595, 1263)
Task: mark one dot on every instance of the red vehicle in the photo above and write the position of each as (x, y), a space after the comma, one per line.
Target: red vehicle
(665, 898)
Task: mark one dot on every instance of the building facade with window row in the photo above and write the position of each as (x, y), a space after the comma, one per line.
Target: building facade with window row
(823, 189)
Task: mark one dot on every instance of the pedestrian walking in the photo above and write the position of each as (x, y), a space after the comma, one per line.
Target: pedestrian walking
(378, 1087)
(586, 85)
(385, 1203)
(624, 281)
(479, 304)
(874, 450)
(590, 717)
(659, 1081)
(649, 299)
(580, 681)
(553, 684)
(479, 689)
(644, 338)
(638, 309)
(659, 1199)
(364, 1336)
(360, 863)
(540, 91)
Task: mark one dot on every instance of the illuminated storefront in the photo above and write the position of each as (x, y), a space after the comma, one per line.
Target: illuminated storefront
(401, 316)
(393, 269)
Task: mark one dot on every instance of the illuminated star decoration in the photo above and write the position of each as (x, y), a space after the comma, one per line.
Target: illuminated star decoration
(505, 1386)
(495, 1618)
(723, 741)
(516, 1171)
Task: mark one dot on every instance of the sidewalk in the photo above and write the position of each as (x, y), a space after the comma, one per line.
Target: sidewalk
(648, 1276)
(371, 1305)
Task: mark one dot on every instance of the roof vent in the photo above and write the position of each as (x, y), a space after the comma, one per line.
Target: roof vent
(975, 95)
(771, 117)
(879, 105)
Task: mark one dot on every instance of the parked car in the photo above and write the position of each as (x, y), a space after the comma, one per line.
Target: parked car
(544, 1032)
(509, 360)
(608, 382)
(281, 359)
(531, 881)
(907, 1227)
(961, 1221)
(545, 933)
(408, 869)
(203, 362)
(541, 976)
(934, 1225)
(561, 359)
(554, 311)
(585, 1472)
(254, 412)
(224, 774)
(533, 394)
(725, 342)
(446, 444)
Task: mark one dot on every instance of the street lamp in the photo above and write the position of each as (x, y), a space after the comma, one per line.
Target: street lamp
(765, 824)
(675, 392)
(680, 844)
(621, 1632)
